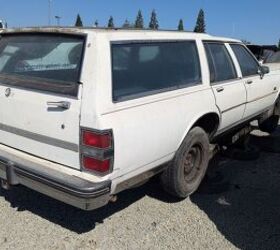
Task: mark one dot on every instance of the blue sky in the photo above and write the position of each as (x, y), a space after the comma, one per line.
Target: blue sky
(255, 20)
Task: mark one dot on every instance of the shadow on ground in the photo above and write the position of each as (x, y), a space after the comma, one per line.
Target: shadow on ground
(241, 198)
(74, 219)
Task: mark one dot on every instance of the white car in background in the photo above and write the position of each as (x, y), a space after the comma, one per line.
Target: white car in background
(273, 61)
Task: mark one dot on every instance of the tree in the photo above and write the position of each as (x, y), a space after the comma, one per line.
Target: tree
(154, 22)
(181, 25)
(279, 44)
(111, 22)
(96, 23)
(200, 26)
(127, 24)
(139, 22)
(79, 22)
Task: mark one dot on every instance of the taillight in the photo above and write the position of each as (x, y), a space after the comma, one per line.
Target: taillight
(94, 139)
(96, 165)
(97, 152)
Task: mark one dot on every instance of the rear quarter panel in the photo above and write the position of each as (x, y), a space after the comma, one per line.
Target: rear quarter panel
(147, 131)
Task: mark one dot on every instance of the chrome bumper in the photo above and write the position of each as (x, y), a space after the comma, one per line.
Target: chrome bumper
(69, 189)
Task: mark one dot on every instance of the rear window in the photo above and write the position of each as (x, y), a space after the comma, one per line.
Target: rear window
(220, 63)
(42, 62)
(141, 69)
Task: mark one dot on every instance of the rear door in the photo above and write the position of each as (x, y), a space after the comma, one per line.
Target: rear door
(40, 95)
(261, 91)
(228, 88)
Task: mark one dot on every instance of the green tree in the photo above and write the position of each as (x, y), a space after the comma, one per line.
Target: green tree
(200, 26)
(181, 25)
(111, 22)
(139, 22)
(126, 24)
(79, 22)
(154, 22)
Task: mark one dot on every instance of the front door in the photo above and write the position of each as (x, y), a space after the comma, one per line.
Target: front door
(261, 90)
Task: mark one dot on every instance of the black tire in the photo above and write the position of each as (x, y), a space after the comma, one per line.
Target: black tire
(184, 175)
(269, 125)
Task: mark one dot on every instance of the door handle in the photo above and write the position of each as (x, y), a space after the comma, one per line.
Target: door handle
(220, 89)
(63, 104)
(249, 81)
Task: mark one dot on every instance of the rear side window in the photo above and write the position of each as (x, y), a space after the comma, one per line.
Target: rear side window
(220, 63)
(43, 62)
(249, 66)
(141, 69)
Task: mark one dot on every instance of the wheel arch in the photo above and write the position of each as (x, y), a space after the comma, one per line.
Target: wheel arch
(208, 121)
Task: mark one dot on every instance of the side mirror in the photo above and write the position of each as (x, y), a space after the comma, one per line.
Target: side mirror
(263, 70)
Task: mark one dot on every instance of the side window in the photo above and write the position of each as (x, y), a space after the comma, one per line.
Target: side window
(141, 69)
(220, 63)
(249, 66)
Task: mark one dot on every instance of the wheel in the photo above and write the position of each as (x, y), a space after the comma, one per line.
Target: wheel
(183, 176)
(269, 125)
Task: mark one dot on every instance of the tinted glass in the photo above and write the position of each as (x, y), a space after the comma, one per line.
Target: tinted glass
(39, 59)
(220, 64)
(141, 69)
(249, 66)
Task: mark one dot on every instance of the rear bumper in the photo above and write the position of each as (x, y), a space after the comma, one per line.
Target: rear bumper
(64, 187)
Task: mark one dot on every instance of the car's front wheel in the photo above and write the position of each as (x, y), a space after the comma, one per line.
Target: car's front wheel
(184, 175)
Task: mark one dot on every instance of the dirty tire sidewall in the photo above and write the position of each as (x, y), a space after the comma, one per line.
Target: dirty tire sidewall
(173, 178)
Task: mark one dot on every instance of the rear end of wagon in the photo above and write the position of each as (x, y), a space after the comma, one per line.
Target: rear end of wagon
(42, 143)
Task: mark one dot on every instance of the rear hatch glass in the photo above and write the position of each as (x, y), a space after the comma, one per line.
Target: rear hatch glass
(44, 62)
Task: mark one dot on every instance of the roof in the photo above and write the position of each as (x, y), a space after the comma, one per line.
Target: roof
(85, 30)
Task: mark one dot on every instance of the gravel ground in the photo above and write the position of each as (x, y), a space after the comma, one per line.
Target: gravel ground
(237, 207)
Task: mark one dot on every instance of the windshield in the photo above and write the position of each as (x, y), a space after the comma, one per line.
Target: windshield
(52, 59)
(274, 58)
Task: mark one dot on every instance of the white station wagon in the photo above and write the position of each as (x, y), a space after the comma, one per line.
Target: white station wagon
(88, 113)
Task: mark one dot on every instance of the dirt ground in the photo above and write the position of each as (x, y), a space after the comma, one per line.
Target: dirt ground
(237, 207)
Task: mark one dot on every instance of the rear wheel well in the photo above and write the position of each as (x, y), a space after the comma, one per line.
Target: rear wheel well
(209, 123)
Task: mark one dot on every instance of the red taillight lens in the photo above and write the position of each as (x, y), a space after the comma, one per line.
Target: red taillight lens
(97, 151)
(96, 140)
(96, 165)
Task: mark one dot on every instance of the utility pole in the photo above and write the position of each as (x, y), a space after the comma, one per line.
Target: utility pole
(233, 30)
(50, 12)
(58, 20)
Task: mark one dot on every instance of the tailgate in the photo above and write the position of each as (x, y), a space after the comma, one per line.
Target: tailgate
(39, 95)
